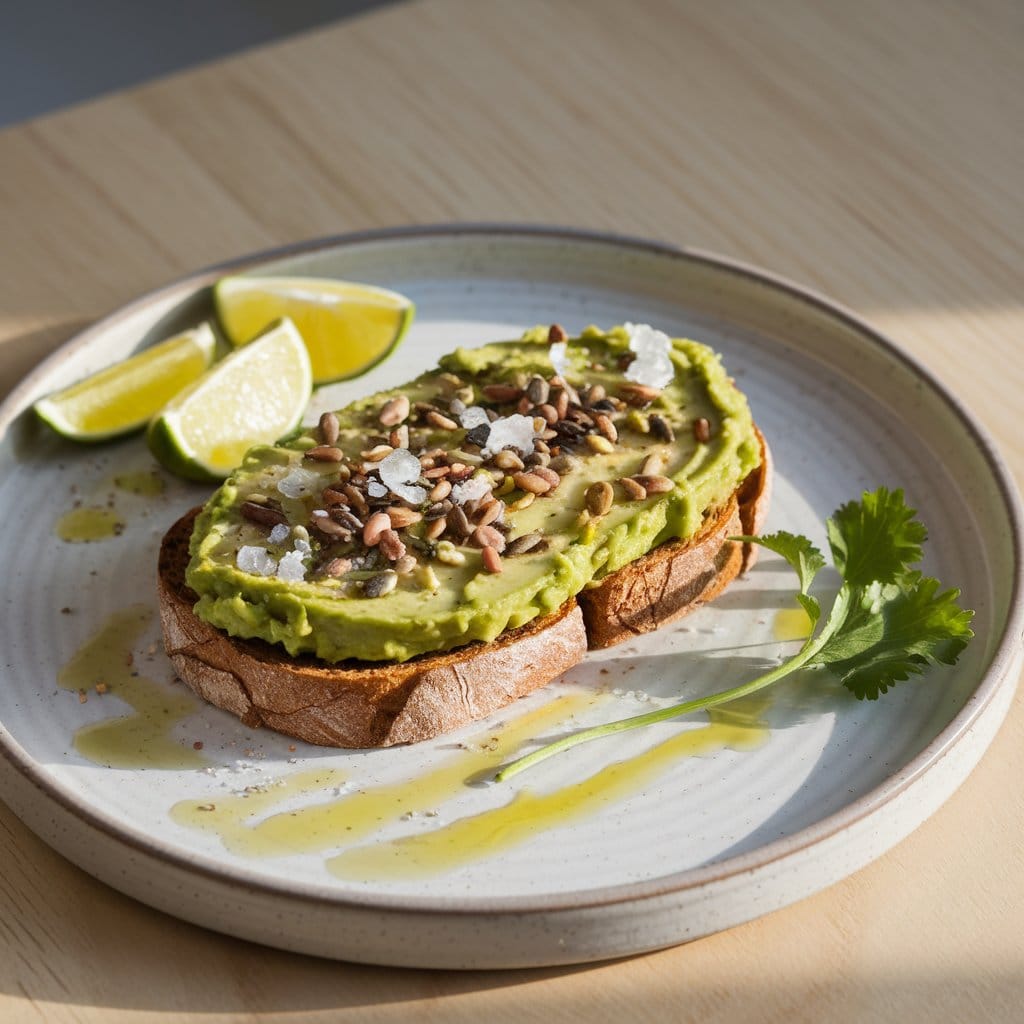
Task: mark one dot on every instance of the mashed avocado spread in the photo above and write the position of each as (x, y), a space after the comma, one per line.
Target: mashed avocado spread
(470, 501)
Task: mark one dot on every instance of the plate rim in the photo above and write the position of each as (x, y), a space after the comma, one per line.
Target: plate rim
(993, 678)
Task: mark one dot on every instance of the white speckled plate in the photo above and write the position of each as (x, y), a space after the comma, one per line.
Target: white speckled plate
(703, 841)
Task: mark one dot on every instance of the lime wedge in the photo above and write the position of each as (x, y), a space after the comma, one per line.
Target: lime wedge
(126, 396)
(347, 327)
(252, 396)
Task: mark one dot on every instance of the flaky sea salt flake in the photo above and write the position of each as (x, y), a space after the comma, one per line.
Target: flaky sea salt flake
(514, 431)
(256, 561)
(559, 356)
(290, 568)
(651, 366)
(299, 483)
(472, 489)
(280, 533)
(398, 472)
(472, 417)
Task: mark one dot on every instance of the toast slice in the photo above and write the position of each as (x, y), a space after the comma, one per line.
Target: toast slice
(375, 704)
(355, 704)
(679, 576)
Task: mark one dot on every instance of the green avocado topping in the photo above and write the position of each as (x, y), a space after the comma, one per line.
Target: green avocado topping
(329, 544)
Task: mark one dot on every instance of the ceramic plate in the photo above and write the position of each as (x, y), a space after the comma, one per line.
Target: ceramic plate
(410, 856)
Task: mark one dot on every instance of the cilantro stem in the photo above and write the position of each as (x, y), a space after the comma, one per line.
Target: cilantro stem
(887, 621)
(661, 715)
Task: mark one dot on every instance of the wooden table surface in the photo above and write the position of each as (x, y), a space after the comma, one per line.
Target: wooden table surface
(871, 150)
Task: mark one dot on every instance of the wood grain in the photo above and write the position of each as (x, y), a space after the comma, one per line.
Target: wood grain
(872, 150)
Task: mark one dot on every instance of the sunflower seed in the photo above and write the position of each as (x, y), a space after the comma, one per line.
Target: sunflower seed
(661, 428)
(502, 393)
(491, 560)
(329, 428)
(324, 453)
(440, 421)
(508, 460)
(441, 490)
(605, 427)
(402, 517)
(702, 430)
(532, 482)
(488, 537)
(375, 526)
(381, 584)
(265, 515)
(655, 484)
(521, 545)
(639, 394)
(634, 491)
(599, 498)
(435, 528)
(458, 522)
(395, 410)
(599, 444)
(537, 390)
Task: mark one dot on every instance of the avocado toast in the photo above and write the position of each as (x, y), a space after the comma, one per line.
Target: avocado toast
(434, 551)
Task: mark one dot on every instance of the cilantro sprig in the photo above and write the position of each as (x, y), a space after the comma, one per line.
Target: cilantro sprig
(887, 623)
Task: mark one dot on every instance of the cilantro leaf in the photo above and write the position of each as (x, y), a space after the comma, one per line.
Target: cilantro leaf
(875, 539)
(887, 623)
(894, 633)
(801, 554)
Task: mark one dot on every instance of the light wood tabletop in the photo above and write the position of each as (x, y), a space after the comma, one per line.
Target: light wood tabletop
(872, 151)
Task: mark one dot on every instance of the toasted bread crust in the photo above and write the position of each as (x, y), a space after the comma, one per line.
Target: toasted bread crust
(355, 704)
(370, 704)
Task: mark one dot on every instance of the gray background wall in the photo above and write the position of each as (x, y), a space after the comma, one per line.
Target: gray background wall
(57, 52)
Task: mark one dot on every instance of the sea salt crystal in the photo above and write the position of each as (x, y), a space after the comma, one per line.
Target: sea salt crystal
(255, 560)
(299, 483)
(474, 416)
(303, 546)
(280, 533)
(291, 568)
(376, 489)
(472, 489)
(399, 471)
(652, 366)
(514, 431)
(559, 356)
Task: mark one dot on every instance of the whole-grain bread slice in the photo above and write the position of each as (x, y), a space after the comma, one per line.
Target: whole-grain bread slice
(375, 704)
(351, 703)
(679, 576)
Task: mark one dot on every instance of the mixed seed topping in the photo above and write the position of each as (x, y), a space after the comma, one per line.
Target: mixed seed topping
(436, 479)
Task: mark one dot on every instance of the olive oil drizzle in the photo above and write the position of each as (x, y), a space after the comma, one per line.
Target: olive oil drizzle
(146, 483)
(347, 817)
(141, 739)
(479, 836)
(791, 624)
(89, 523)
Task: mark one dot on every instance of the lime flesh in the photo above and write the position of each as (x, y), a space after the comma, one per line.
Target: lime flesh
(347, 327)
(126, 396)
(253, 396)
